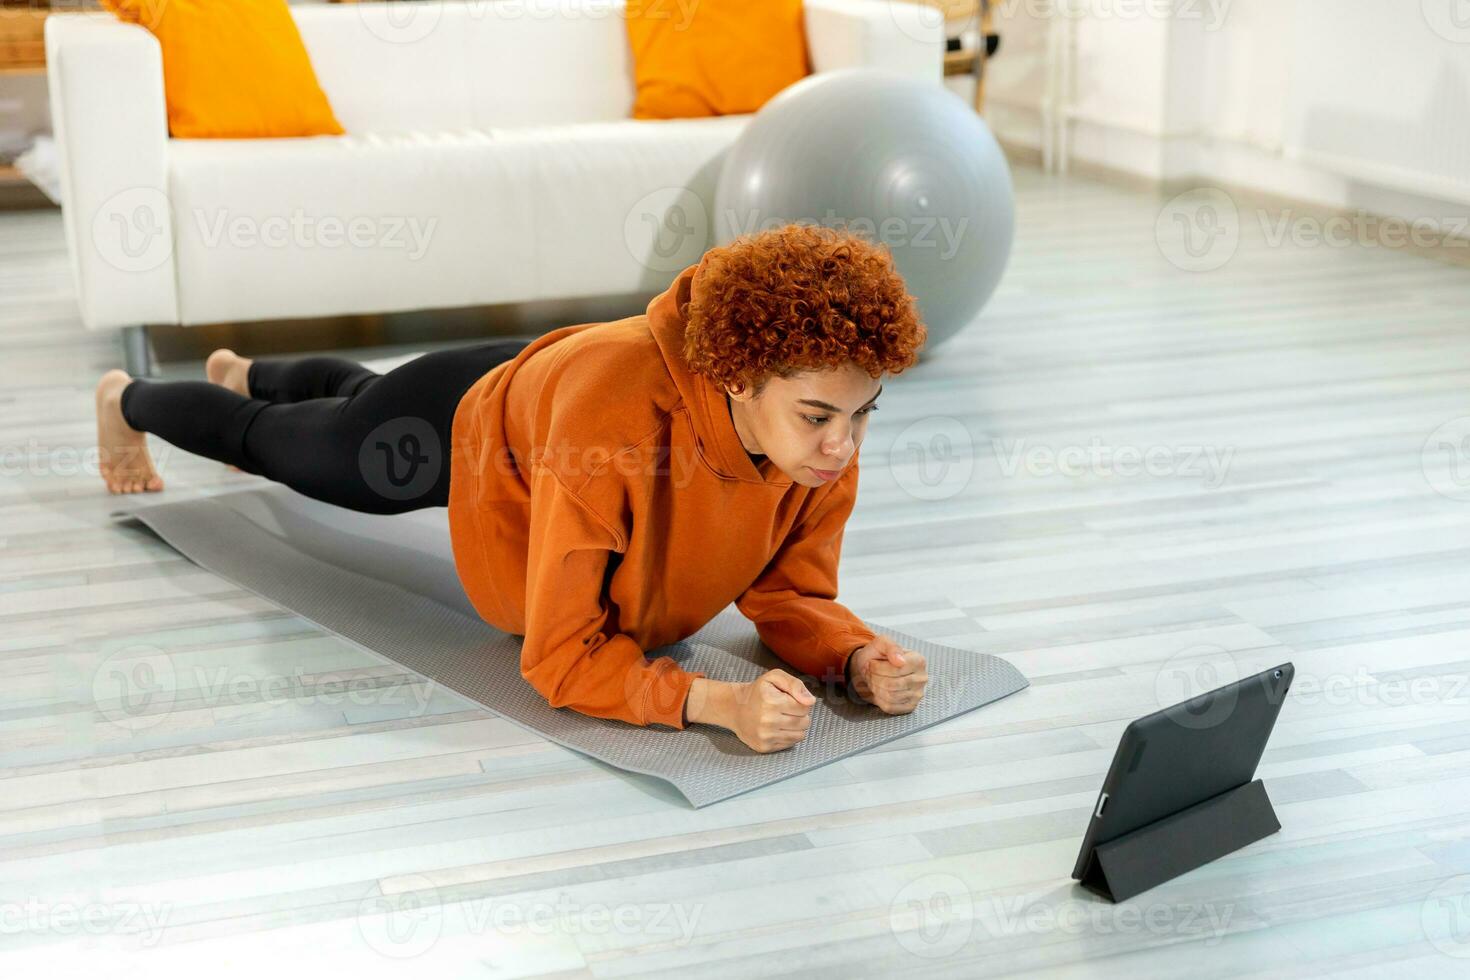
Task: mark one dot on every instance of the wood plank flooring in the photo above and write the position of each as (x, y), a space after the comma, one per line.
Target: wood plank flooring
(1131, 478)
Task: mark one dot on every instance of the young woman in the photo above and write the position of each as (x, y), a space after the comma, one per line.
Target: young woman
(610, 487)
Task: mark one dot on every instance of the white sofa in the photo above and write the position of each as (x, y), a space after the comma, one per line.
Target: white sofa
(489, 158)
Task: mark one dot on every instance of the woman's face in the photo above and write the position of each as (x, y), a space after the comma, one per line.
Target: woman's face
(807, 423)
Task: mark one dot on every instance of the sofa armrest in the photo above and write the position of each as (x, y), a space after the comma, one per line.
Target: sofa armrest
(105, 79)
(897, 35)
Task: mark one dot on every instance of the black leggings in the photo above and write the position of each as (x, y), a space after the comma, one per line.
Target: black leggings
(327, 427)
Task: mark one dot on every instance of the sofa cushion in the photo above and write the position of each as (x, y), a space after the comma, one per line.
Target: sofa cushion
(714, 57)
(410, 67)
(234, 69)
(357, 224)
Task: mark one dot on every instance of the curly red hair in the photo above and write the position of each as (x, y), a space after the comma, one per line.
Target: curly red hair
(797, 298)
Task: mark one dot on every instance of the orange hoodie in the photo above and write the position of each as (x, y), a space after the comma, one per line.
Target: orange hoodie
(601, 504)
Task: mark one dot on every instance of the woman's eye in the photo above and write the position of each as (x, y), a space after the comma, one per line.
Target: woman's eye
(819, 419)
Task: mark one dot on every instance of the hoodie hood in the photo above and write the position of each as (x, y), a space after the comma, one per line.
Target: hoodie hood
(716, 438)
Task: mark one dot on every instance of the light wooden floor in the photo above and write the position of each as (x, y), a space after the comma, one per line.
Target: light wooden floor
(1307, 498)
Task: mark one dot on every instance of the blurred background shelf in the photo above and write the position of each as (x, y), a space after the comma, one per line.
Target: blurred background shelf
(23, 111)
(970, 40)
(22, 34)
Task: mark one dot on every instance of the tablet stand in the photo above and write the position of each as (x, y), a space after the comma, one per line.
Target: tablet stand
(1151, 855)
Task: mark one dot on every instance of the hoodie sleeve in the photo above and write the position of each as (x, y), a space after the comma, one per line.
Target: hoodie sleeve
(793, 602)
(569, 655)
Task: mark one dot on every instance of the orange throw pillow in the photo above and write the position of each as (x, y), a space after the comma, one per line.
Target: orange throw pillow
(713, 57)
(233, 68)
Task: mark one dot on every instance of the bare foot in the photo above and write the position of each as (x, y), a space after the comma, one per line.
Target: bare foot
(122, 450)
(229, 370)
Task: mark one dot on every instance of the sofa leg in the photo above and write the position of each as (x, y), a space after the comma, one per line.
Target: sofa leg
(138, 352)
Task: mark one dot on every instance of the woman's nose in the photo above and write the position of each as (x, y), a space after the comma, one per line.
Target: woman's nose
(841, 448)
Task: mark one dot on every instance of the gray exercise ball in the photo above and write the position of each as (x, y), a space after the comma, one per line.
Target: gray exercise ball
(903, 161)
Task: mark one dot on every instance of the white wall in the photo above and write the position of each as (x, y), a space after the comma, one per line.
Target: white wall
(1346, 103)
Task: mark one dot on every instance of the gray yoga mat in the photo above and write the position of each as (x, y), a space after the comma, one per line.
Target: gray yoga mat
(388, 584)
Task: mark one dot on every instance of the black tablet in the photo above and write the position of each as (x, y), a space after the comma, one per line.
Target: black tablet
(1180, 790)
